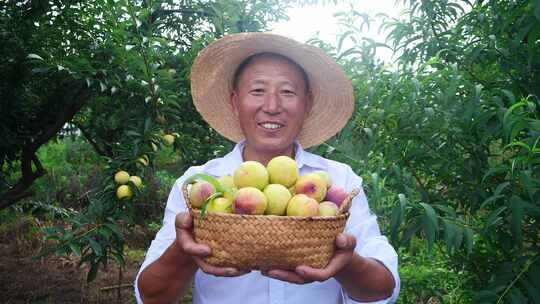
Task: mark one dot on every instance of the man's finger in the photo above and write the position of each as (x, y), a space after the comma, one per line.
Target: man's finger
(345, 241)
(315, 274)
(219, 271)
(287, 276)
(183, 220)
(189, 246)
(338, 262)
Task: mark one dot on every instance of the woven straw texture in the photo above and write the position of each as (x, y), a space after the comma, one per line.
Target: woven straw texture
(212, 75)
(261, 242)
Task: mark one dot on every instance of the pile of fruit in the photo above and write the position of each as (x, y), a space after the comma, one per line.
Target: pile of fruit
(123, 179)
(276, 189)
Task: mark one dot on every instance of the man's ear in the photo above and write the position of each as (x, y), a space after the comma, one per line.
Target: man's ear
(233, 100)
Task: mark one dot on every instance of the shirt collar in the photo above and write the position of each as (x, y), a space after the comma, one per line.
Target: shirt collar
(303, 157)
(228, 163)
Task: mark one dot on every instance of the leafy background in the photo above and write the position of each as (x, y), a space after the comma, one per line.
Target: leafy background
(446, 137)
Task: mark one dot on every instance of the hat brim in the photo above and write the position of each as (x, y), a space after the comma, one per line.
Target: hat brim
(214, 68)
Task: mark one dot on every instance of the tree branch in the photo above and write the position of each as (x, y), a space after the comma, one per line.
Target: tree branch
(28, 155)
(95, 145)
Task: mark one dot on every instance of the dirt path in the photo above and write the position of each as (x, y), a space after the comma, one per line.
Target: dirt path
(58, 280)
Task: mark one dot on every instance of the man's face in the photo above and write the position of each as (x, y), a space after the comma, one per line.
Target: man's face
(271, 103)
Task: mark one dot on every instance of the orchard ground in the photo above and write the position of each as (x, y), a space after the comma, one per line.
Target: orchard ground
(54, 279)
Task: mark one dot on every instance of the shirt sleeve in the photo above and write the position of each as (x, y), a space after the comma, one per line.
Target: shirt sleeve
(363, 225)
(167, 234)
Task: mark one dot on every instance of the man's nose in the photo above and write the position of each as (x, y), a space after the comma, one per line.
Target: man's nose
(272, 104)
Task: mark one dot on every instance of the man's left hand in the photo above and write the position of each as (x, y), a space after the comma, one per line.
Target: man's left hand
(344, 252)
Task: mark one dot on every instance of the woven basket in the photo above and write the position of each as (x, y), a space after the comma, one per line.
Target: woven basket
(259, 242)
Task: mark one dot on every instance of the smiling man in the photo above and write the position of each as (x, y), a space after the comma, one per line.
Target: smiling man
(273, 96)
(271, 100)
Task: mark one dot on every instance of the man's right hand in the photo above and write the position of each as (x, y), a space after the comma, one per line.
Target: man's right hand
(187, 243)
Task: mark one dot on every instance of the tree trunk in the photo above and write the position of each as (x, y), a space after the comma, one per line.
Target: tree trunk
(29, 157)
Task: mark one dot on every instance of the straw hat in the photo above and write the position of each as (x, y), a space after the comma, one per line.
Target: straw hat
(213, 71)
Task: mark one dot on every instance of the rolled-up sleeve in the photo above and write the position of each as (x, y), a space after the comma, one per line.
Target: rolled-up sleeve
(167, 234)
(363, 225)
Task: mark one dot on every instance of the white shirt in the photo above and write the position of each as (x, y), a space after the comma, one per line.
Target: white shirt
(254, 288)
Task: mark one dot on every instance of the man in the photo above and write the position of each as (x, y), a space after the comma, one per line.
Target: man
(274, 96)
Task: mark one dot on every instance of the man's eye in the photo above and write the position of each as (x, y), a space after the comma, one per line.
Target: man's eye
(257, 91)
(288, 92)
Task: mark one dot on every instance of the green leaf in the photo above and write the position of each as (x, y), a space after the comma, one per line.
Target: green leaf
(397, 217)
(34, 56)
(207, 201)
(532, 291)
(534, 124)
(518, 144)
(207, 178)
(493, 171)
(342, 38)
(446, 209)
(412, 229)
(430, 224)
(92, 272)
(75, 248)
(458, 239)
(469, 238)
(509, 95)
(496, 194)
(119, 258)
(536, 10)
(485, 296)
(493, 217)
(516, 221)
(516, 296)
(95, 246)
(113, 228)
(449, 234)
(133, 133)
(147, 123)
(348, 52)
(535, 210)
(509, 121)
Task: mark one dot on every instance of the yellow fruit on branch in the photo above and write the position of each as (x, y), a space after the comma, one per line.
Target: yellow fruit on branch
(144, 160)
(121, 177)
(136, 181)
(168, 139)
(124, 192)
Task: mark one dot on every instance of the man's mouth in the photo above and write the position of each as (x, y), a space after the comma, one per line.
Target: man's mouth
(271, 125)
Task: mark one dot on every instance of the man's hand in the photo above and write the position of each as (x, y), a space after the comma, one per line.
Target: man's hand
(184, 237)
(345, 244)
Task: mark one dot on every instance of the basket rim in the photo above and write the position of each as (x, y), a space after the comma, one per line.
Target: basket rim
(271, 216)
(343, 210)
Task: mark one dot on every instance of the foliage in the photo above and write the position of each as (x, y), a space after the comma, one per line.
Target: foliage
(448, 139)
(429, 276)
(117, 74)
